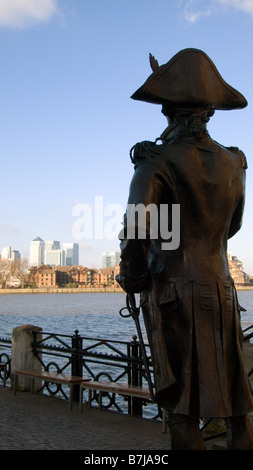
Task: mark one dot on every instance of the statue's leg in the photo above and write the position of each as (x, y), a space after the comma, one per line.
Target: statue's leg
(239, 433)
(185, 433)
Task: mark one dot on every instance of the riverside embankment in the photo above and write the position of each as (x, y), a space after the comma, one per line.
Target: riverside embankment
(79, 290)
(66, 290)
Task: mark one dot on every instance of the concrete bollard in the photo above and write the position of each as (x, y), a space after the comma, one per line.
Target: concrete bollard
(22, 357)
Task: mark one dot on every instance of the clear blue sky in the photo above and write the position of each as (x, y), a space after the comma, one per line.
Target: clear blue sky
(68, 69)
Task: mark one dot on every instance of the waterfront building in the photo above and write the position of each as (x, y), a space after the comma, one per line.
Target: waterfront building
(37, 247)
(78, 275)
(62, 275)
(93, 277)
(236, 269)
(13, 282)
(45, 276)
(58, 276)
(108, 275)
(110, 258)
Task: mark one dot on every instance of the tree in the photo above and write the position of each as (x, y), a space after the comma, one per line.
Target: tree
(17, 269)
(5, 271)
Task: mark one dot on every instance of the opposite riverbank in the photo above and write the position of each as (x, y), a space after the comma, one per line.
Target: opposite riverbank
(67, 290)
(79, 290)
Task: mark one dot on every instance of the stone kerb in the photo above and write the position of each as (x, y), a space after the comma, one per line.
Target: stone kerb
(23, 357)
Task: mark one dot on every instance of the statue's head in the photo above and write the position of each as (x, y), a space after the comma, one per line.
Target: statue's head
(190, 81)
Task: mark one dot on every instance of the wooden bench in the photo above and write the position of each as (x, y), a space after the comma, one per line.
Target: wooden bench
(3, 368)
(119, 388)
(52, 377)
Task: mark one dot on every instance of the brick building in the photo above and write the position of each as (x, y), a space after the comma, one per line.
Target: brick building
(236, 271)
(84, 276)
(58, 276)
(108, 275)
(62, 275)
(45, 276)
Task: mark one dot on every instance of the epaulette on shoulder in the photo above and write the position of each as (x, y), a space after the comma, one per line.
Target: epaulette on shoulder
(143, 150)
(240, 154)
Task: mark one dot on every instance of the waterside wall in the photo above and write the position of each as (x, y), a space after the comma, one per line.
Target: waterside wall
(78, 290)
(67, 290)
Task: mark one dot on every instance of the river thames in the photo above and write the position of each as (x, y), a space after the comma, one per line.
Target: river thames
(93, 314)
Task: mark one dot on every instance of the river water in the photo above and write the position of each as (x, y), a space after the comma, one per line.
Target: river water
(93, 314)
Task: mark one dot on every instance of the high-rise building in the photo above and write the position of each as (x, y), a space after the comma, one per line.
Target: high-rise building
(52, 253)
(37, 247)
(70, 254)
(6, 252)
(15, 255)
(110, 258)
(49, 253)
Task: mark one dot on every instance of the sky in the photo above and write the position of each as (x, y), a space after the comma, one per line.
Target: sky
(67, 122)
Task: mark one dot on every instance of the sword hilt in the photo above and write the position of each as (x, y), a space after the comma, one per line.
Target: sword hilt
(133, 311)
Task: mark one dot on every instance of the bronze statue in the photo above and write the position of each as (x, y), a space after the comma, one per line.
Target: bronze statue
(189, 301)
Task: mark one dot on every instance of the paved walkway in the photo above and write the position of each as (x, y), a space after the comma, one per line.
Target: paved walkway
(39, 422)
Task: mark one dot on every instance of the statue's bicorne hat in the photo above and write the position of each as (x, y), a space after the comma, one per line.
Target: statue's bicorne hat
(189, 79)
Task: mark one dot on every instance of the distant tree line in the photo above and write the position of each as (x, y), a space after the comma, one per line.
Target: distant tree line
(13, 273)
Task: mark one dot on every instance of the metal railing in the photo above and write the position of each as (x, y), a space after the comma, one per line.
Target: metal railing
(95, 358)
(247, 337)
(5, 358)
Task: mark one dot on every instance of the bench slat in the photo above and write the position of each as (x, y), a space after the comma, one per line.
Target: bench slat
(120, 388)
(54, 376)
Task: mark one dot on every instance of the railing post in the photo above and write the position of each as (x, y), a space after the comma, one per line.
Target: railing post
(22, 356)
(135, 378)
(76, 361)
